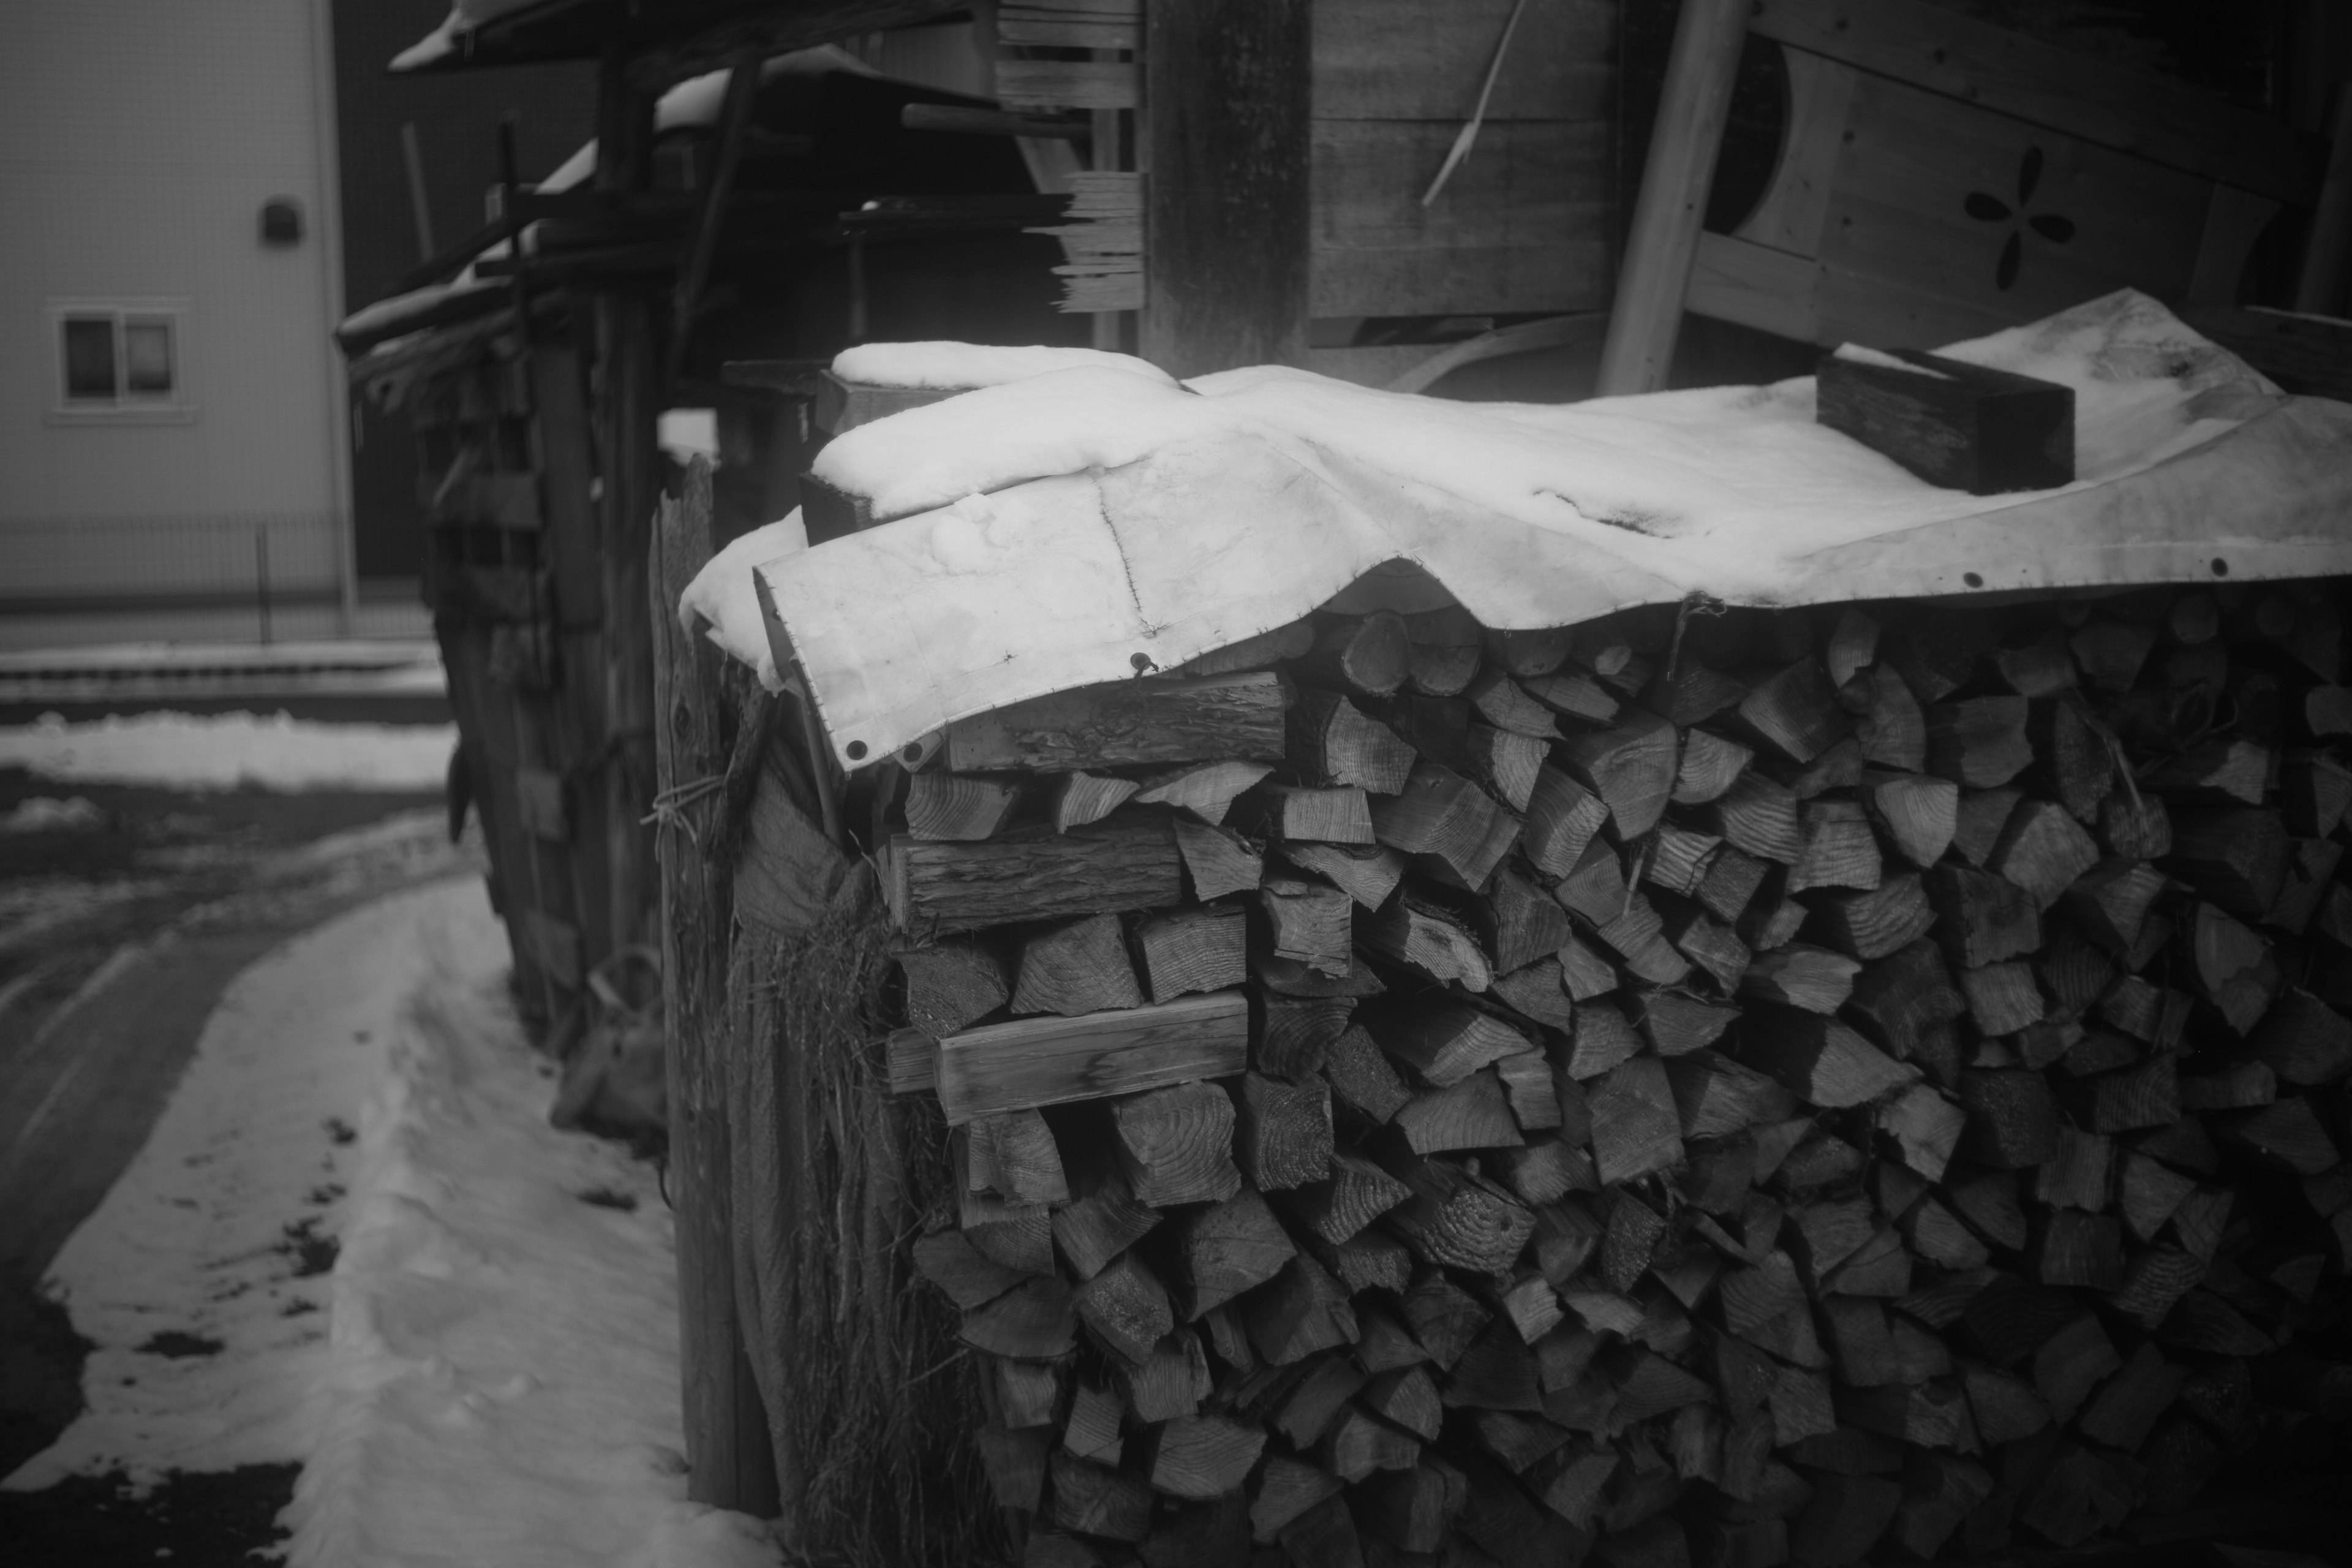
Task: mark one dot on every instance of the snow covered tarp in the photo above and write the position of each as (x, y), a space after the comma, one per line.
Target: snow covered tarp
(1085, 524)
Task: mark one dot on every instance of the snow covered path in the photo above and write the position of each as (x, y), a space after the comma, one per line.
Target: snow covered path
(487, 1372)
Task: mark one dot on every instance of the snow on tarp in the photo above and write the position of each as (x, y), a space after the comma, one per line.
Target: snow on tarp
(1081, 525)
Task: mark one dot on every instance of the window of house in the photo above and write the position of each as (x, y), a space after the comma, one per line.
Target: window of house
(120, 358)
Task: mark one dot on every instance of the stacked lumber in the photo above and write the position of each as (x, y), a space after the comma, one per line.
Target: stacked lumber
(1721, 1089)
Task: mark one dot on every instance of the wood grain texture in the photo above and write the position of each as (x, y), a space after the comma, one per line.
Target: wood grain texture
(1049, 1061)
(1228, 203)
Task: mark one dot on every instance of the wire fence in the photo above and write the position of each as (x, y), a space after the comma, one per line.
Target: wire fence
(262, 561)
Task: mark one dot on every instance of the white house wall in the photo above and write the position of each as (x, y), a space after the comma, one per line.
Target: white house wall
(138, 140)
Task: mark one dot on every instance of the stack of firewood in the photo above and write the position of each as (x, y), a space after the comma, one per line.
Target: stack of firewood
(1699, 1086)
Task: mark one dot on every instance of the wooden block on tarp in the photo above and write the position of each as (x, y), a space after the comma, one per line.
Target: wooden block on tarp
(1961, 426)
(1051, 1060)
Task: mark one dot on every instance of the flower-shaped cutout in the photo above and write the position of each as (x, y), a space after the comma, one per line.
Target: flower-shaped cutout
(1986, 208)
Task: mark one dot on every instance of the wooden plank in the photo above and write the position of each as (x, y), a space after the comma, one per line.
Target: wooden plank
(841, 406)
(1408, 59)
(1519, 227)
(1050, 1061)
(2078, 95)
(1933, 191)
(1067, 84)
(1127, 722)
(728, 1455)
(538, 801)
(1127, 861)
(1662, 245)
(1226, 204)
(1794, 208)
(1772, 290)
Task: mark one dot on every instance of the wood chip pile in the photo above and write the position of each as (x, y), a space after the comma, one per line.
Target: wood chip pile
(1694, 1087)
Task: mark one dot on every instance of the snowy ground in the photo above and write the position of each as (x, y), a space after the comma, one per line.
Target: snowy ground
(354, 1243)
(223, 751)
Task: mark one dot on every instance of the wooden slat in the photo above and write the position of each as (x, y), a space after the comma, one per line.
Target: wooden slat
(2068, 93)
(1900, 209)
(1521, 227)
(1794, 208)
(503, 501)
(1226, 202)
(1068, 32)
(845, 405)
(1410, 59)
(538, 799)
(555, 945)
(1050, 1061)
(1067, 84)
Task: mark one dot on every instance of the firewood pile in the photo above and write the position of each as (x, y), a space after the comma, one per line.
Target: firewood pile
(1710, 1087)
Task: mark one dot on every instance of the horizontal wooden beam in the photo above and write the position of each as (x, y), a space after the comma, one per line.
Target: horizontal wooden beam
(1050, 1061)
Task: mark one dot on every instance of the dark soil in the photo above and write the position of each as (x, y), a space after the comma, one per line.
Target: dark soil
(186, 1522)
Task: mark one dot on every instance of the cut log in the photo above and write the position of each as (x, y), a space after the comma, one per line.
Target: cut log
(1034, 1320)
(969, 1277)
(1636, 1128)
(1802, 975)
(1818, 1059)
(1175, 1144)
(1983, 919)
(1362, 1077)
(950, 986)
(1310, 923)
(1538, 991)
(1218, 860)
(1453, 1219)
(2237, 857)
(1014, 1155)
(1282, 1132)
(1892, 728)
(1878, 923)
(1366, 873)
(1980, 743)
(1207, 790)
(1049, 1061)
(1572, 695)
(1631, 766)
(1126, 862)
(2303, 1041)
(1710, 765)
(959, 808)
(1472, 1113)
(2219, 769)
(1127, 1307)
(1530, 653)
(1500, 701)
(1796, 710)
(1443, 1040)
(1916, 811)
(2012, 1118)
(1715, 1097)
(1101, 1221)
(1415, 931)
(1359, 1444)
(1506, 763)
(1676, 859)
(1690, 693)
(1189, 950)
(1126, 723)
(1368, 654)
(2042, 850)
(1437, 672)
(1355, 1194)
(1759, 816)
(1294, 812)
(2110, 653)
(1221, 1251)
(1978, 820)
(1333, 744)
(1078, 968)
(1287, 1490)
(2110, 902)
(1443, 815)
(1094, 1500)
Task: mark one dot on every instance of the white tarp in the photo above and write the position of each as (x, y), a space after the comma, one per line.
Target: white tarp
(1084, 525)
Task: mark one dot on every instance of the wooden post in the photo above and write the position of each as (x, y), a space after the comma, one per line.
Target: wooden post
(1225, 139)
(1647, 315)
(629, 398)
(729, 1461)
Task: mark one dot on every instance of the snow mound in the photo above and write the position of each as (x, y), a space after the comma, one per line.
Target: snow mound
(963, 366)
(228, 751)
(46, 814)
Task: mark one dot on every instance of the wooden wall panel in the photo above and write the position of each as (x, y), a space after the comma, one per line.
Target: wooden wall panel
(1426, 59)
(1522, 226)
